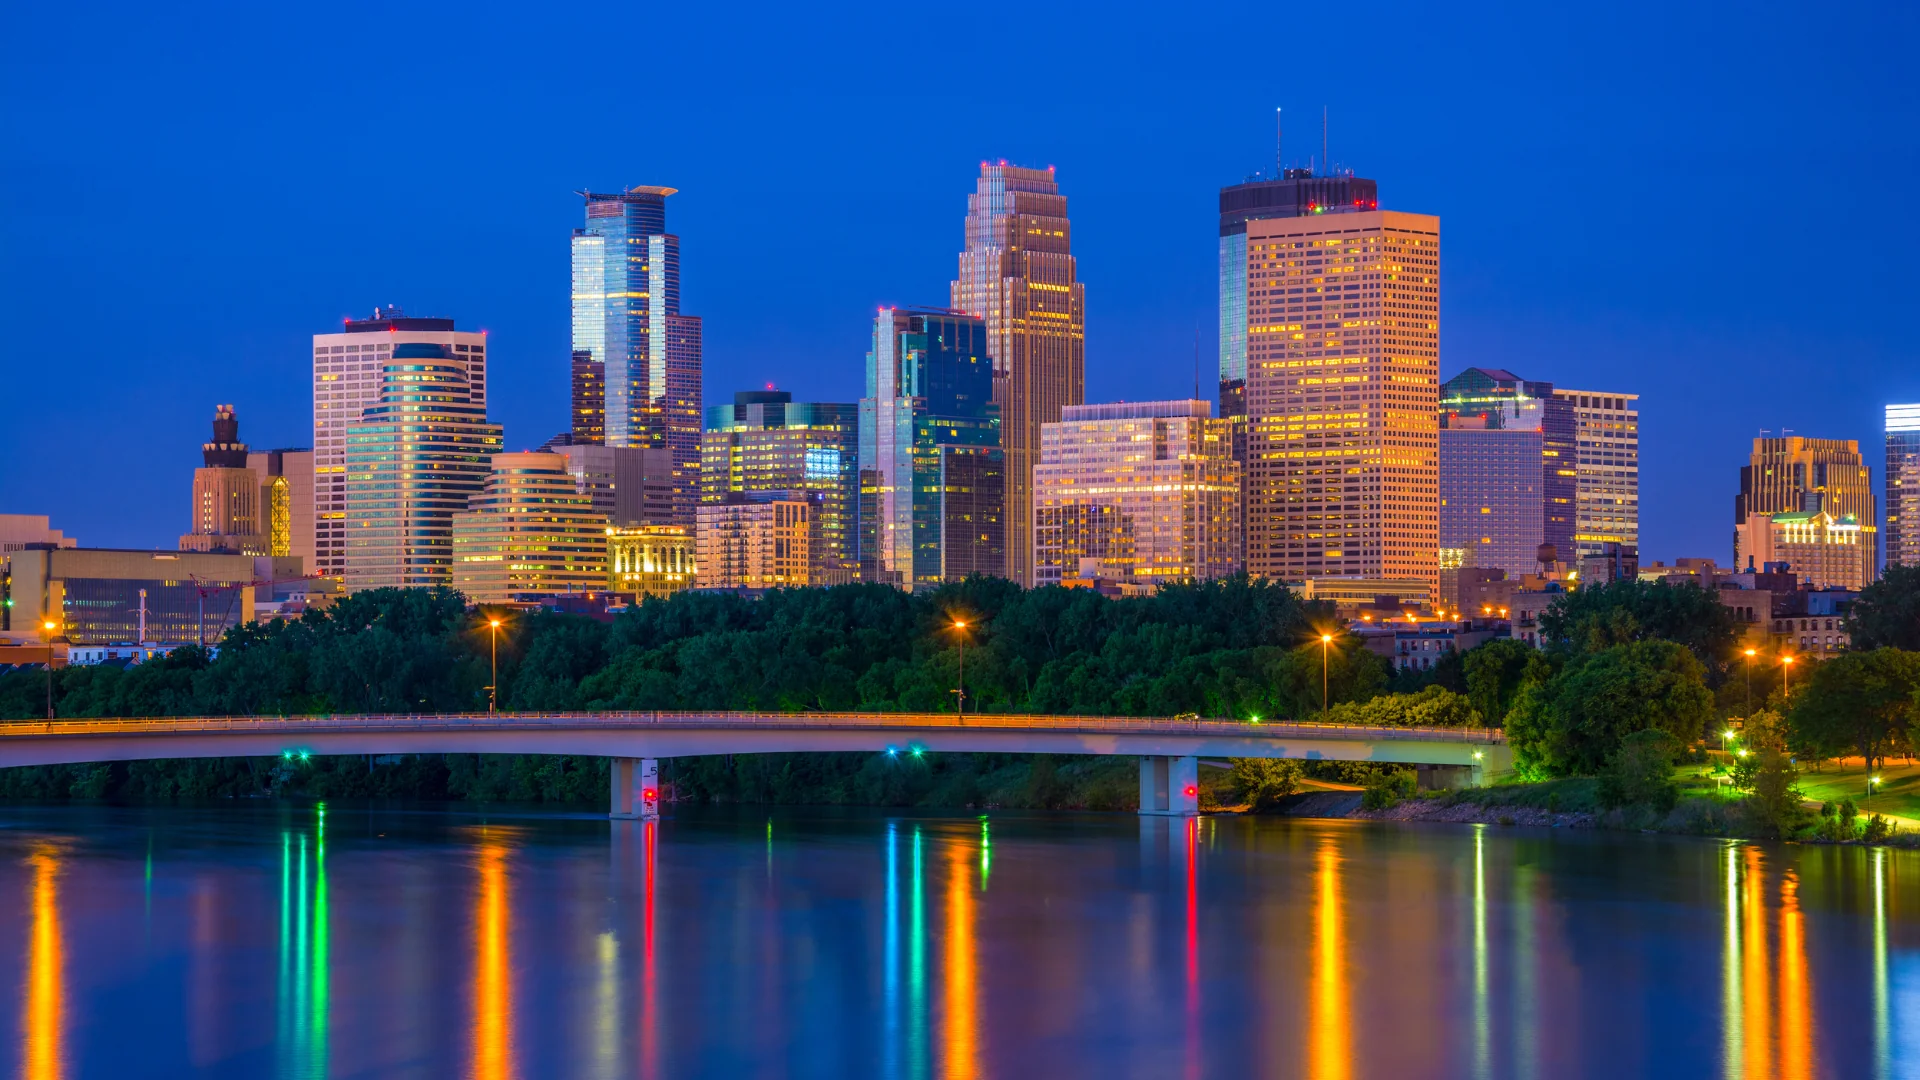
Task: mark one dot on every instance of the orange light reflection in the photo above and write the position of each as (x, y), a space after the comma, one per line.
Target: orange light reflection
(1329, 1049)
(1796, 997)
(962, 1041)
(492, 972)
(42, 1025)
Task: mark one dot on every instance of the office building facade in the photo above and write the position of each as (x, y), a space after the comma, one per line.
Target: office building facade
(1148, 491)
(1343, 375)
(348, 374)
(651, 560)
(227, 495)
(1607, 459)
(1794, 479)
(1819, 550)
(761, 541)
(636, 358)
(101, 596)
(1498, 400)
(286, 482)
(1017, 275)
(932, 475)
(527, 530)
(766, 441)
(1490, 498)
(630, 485)
(1903, 485)
(415, 457)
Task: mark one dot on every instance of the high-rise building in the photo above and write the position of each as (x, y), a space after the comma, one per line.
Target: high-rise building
(1490, 501)
(1793, 479)
(1147, 490)
(1017, 275)
(636, 358)
(631, 485)
(286, 482)
(347, 377)
(528, 531)
(1607, 458)
(758, 541)
(227, 495)
(1343, 377)
(1903, 485)
(416, 455)
(1818, 548)
(766, 441)
(932, 475)
(1497, 400)
(651, 560)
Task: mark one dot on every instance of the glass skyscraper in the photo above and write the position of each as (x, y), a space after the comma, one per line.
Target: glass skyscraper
(932, 473)
(1903, 485)
(765, 442)
(1017, 276)
(635, 366)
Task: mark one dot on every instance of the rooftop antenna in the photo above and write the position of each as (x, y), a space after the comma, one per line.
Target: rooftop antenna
(1279, 141)
(1196, 361)
(1325, 161)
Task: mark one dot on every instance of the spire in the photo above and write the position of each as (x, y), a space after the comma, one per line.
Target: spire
(226, 451)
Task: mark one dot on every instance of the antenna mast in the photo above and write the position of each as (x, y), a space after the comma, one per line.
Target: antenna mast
(1279, 142)
(1325, 161)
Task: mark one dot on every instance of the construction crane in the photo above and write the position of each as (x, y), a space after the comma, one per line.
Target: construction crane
(206, 588)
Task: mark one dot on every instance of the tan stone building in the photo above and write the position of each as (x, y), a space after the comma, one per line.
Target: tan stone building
(763, 544)
(651, 560)
(1343, 377)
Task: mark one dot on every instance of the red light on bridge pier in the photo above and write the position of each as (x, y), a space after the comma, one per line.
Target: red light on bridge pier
(1192, 791)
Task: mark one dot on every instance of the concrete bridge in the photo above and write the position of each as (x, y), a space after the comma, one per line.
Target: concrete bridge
(1169, 750)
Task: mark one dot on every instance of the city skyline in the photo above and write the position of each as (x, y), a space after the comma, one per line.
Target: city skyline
(181, 324)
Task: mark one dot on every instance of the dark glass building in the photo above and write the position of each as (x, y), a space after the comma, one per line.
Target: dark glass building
(1493, 399)
(767, 442)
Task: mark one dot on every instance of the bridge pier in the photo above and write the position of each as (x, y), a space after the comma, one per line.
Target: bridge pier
(1170, 785)
(636, 789)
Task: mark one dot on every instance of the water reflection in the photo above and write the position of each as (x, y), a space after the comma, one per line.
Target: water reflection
(1482, 1037)
(492, 972)
(43, 1020)
(303, 975)
(1329, 1053)
(962, 1034)
(1193, 950)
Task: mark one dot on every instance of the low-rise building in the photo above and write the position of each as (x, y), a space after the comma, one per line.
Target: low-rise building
(103, 596)
(1416, 645)
(1824, 551)
(651, 560)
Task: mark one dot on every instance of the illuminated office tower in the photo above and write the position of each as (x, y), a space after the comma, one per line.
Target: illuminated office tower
(932, 475)
(1607, 458)
(765, 441)
(226, 494)
(1017, 274)
(413, 459)
(636, 358)
(1903, 485)
(1343, 377)
(1793, 476)
(1148, 490)
(347, 377)
(286, 500)
(758, 541)
(528, 530)
(1495, 400)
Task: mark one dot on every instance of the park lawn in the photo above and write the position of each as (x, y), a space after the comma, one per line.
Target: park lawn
(1897, 796)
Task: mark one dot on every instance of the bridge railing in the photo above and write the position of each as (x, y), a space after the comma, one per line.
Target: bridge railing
(637, 720)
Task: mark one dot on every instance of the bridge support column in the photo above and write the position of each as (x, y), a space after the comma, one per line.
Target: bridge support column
(1170, 786)
(636, 789)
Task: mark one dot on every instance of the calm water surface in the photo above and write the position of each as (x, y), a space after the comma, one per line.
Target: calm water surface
(295, 942)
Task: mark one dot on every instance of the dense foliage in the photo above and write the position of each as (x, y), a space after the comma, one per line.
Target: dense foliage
(1887, 614)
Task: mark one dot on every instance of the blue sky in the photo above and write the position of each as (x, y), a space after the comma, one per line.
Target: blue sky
(1709, 204)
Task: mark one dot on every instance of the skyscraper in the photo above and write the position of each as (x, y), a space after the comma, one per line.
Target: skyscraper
(1017, 275)
(1903, 485)
(1793, 481)
(528, 531)
(932, 474)
(1149, 490)
(1607, 457)
(413, 459)
(1481, 400)
(636, 358)
(286, 479)
(765, 441)
(226, 494)
(347, 377)
(1343, 377)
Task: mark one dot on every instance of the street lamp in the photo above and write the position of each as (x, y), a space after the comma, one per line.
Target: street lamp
(49, 627)
(1750, 654)
(960, 690)
(1325, 640)
(1725, 734)
(1872, 782)
(493, 692)
(1786, 664)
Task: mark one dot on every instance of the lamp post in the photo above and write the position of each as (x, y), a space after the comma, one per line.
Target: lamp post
(493, 692)
(1325, 640)
(49, 627)
(1872, 782)
(960, 689)
(1786, 664)
(1725, 734)
(1750, 653)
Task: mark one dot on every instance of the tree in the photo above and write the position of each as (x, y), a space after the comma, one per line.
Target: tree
(1602, 616)
(1776, 799)
(1887, 615)
(1859, 702)
(1494, 672)
(1641, 772)
(1573, 723)
(1435, 706)
(1263, 782)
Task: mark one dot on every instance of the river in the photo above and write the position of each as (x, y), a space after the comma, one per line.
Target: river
(303, 941)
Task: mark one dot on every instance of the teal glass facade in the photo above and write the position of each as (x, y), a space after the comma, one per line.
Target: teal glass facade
(932, 467)
(766, 442)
